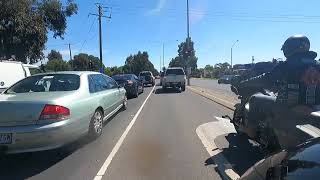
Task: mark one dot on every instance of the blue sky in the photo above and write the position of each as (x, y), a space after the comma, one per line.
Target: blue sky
(260, 26)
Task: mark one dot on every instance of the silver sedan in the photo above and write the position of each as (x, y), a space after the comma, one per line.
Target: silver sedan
(50, 110)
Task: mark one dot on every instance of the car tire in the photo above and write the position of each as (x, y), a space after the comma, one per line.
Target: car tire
(96, 124)
(136, 93)
(183, 88)
(153, 83)
(125, 103)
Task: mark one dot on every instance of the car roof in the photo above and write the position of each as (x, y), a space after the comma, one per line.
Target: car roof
(175, 68)
(71, 72)
(124, 75)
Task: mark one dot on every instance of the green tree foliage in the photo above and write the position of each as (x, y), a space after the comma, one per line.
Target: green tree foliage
(85, 62)
(24, 25)
(216, 71)
(186, 56)
(54, 55)
(139, 62)
(208, 68)
(110, 71)
(57, 65)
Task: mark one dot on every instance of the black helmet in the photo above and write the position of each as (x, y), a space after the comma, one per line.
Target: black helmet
(295, 44)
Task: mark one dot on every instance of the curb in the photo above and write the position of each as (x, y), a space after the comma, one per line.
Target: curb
(207, 135)
(222, 102)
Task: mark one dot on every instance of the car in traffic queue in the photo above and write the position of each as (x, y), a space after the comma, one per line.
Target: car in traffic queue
(13, 71)
(48, 111)
(147, 77)
(226, 79)
(302, 162)
(133, 85)
(174, 77)
(161, 77)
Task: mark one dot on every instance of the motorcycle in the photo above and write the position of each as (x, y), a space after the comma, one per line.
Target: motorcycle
(267, 132)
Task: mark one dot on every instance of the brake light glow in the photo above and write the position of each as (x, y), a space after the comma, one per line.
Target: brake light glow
(130, 82)
(54, 112)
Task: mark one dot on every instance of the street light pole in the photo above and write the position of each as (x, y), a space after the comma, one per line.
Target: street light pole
(232, 54)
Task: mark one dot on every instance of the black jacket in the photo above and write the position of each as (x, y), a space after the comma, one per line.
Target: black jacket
(292, 79)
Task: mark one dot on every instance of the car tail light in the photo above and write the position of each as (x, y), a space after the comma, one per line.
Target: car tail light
(54, 112)
(130, 82)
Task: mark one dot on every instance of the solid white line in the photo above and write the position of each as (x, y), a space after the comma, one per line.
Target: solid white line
(115, 149)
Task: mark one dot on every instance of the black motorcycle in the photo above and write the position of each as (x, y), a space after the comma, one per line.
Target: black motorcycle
(266, 133)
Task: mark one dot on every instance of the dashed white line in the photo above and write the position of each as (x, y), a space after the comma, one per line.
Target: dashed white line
(115, 149)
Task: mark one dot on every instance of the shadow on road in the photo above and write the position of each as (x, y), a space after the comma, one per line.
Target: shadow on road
(167, 91)
(239, 152)
(26, 165)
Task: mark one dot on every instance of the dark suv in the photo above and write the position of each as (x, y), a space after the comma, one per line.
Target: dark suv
(147, 77)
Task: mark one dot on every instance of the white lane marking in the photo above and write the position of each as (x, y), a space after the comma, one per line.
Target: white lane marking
(115, 149)
(207, 133)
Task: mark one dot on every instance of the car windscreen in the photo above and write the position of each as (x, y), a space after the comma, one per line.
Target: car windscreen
(46, 83)
(174, 72)
(145, 74)
(122, 77)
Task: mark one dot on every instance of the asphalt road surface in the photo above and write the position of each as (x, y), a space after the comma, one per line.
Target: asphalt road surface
(161, 144)
(212, 84)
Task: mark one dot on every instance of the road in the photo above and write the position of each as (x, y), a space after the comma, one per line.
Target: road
(161, 144)
(212, 84)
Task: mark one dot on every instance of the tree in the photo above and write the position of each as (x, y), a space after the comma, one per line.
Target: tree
(176, 62)
(85, 62)
(24, 25)
(57, 65)
(54, 55)
(208, 68)
(139, 62)
(186, 56)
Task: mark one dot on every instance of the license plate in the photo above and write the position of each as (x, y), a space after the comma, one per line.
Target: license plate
(5, 138)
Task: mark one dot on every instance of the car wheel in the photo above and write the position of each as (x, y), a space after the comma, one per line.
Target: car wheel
(136, 93)
(153, 84)
(183, 88)
(96, 124)
(125, 103)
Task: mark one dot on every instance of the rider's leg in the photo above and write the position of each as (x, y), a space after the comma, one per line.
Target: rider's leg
(260, 108)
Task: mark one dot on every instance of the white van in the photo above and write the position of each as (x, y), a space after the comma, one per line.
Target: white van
(12, 72)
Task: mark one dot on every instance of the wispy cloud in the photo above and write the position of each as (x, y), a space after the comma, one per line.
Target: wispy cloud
(199, 7)
(158, 8)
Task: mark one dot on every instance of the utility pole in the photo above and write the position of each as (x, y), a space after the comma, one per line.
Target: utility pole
(188, 39)
(160, 65)
(70, 52)
(100, 15)
(163, 54)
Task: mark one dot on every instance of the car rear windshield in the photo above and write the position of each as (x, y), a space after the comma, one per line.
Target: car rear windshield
(174, 72)
(122, 77)
(145, 74)
(46, 83)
